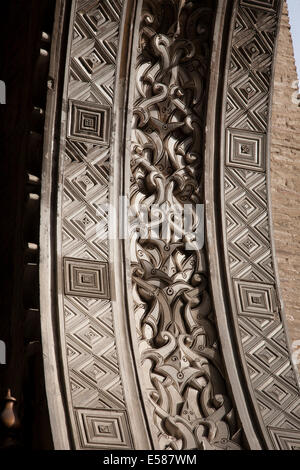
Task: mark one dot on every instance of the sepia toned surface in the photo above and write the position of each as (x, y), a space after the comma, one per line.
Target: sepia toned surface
(149, 336)
(155, 341)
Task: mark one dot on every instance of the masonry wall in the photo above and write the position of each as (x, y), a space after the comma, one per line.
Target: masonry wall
(285, 180)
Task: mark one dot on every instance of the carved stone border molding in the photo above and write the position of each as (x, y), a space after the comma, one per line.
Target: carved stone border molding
(252, 328)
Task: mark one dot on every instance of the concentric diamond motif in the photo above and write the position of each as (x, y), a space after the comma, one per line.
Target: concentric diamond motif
(86, 278)
(247, 90)
(255, 299)
(89, 122)
(104, 429)
(245, 149)
(247, 243)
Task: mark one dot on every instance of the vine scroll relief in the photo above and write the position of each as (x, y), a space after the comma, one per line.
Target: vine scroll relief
(178, 341)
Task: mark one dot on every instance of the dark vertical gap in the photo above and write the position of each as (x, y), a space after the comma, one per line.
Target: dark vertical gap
(24, 70)
(54, 199)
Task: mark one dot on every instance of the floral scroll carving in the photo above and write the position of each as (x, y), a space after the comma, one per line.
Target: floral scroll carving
(180, 354)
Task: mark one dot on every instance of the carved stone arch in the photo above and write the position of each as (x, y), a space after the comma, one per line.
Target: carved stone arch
(153, 341)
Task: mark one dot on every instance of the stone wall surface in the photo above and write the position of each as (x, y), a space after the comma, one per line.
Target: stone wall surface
(285, 180)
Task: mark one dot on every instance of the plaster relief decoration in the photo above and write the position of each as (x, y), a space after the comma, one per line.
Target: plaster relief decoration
(259, 321)
(182, 364)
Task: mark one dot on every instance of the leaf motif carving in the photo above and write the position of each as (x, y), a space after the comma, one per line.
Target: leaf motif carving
(178, 340)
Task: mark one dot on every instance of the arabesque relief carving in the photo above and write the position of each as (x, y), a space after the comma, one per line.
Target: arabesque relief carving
(178, 340)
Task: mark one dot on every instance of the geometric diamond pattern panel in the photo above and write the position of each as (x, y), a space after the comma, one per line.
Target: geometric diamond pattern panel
(258, 316)
(92, 354)
(247, 225)
(92, 358)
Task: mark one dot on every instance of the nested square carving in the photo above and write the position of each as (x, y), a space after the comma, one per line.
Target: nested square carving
(245, 149)
(89, 122)
(255, 299)
(104, 429)
(86, 278)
